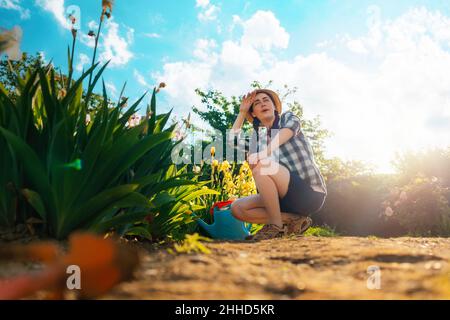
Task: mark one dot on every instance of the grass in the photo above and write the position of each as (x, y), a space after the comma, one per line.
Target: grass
(321, 231)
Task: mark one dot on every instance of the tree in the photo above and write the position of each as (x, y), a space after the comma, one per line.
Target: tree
(9, 69)
(335, 169)
(221, 111)
(433, 162)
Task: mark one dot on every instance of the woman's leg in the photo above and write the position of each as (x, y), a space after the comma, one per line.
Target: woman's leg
(251, 209)
(265, 206)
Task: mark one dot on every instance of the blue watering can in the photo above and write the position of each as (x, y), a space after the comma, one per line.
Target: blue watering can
(225, 226)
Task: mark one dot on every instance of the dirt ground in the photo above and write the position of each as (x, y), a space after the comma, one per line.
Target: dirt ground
(297, 268)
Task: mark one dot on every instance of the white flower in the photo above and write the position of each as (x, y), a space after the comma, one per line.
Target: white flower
(134, 120)
(403, 196)
(395, 191)
(389, 212)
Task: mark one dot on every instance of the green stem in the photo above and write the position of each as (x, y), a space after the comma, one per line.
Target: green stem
(71, 63)
(95, 48)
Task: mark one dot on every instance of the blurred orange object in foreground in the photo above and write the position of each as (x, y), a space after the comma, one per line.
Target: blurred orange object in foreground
(103, 263)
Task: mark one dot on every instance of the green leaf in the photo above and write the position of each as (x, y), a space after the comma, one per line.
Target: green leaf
(153, 112)
(33, 167)
(162, 199)
(119, 163)
(35, 200)
(120, 220)
(171, 183)
(132, 110)
(140, 232)
(133, 200)
(94, 207)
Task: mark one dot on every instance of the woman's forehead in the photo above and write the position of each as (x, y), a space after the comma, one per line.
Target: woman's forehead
(261, 96)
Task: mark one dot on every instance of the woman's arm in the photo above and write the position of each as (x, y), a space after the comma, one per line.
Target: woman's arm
(290, 126)
(239, 121)
(280, 138)
(246, 103)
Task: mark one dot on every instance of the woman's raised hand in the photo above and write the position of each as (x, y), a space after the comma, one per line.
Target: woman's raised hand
(247, 102)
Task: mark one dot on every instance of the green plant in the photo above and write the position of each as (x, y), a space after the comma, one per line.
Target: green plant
(70, 172)
(421, 206)
(321, 231)
(191, 243)
(97, 176)
(73, 159)
(174, 204)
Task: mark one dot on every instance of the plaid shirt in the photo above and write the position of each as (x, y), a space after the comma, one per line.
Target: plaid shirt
(295, 154)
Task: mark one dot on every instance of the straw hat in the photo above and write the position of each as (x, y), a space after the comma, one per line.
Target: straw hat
(275, 99)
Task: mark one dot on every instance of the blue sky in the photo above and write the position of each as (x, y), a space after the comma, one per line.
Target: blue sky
(373, 70)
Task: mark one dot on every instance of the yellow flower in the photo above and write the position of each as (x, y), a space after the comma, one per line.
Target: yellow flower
(225, 166)
(188, 212)
(62, 93)
(215, 163)
(213, 151)
(244, 167)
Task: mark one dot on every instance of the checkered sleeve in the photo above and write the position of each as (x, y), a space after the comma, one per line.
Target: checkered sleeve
(291, 121)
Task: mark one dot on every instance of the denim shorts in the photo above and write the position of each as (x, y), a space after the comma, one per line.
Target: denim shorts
(301, 198)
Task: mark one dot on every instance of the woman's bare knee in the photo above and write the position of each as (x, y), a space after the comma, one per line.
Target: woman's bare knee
(236, 209)
(256, 171)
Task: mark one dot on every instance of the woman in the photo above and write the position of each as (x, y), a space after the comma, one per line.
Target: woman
(296, 189)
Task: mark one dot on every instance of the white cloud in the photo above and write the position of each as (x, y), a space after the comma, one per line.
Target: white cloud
(229, 65)
(384, 92)
(15, 5)
(115, 47)
(140, 79)
(111, 89)
(202, 3)
(85, 38)
(93, 25)
(43, 56)
(83, 59)
(112, 46)
(152, 35)
(204, 49)
(208, 11)
(263, 30)
(240, 56)
(181, 79)
(56, 7)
